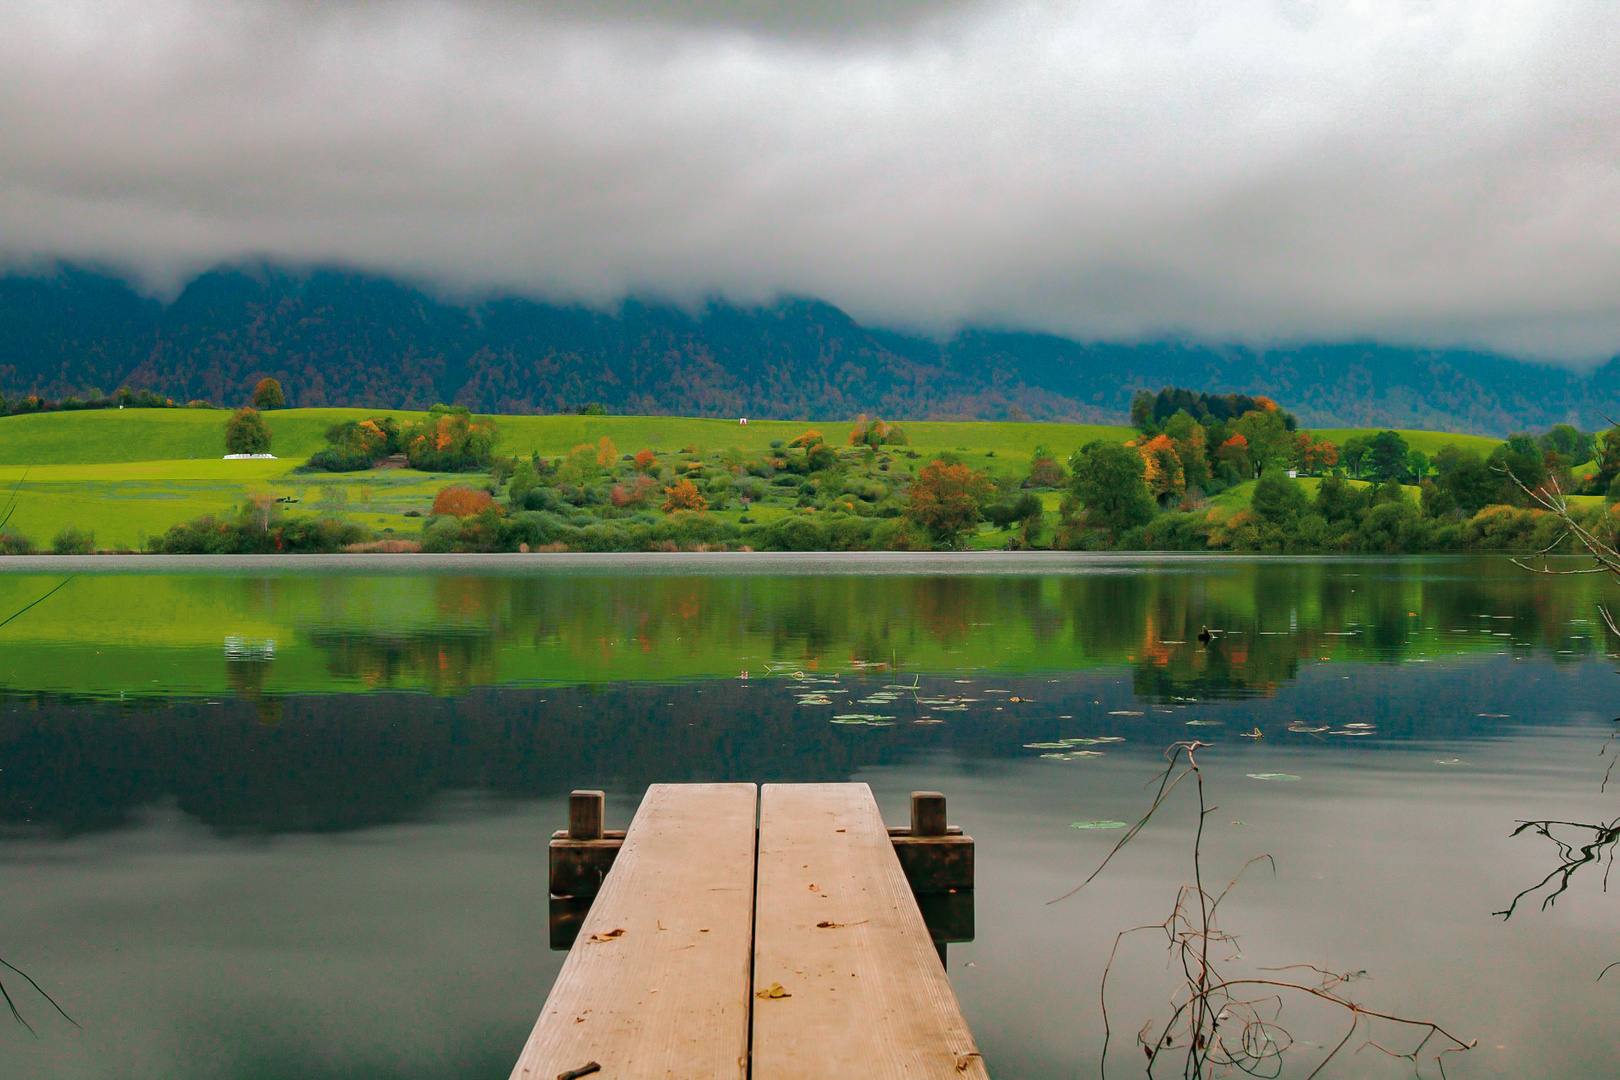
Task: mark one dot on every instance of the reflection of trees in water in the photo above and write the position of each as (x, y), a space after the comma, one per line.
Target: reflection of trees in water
(447, 661)
(246, 679)
(1270, 620)
(1276, 618)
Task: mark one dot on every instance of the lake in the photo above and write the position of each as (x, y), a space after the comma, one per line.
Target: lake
(288, 818)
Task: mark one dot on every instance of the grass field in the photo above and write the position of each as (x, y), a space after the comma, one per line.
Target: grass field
(1430, 442)
(80, 438)
(128, 474)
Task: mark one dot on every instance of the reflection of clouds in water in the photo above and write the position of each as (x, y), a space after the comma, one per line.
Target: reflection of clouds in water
(409, 953)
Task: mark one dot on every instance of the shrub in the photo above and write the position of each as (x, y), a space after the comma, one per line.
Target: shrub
(646, 460)
(1013, 508)
(448, 439)
(258, 529)
(247, 433)
(1046, 473)
(459, 500)
(1277, 498)
(639, 492)
(16, 544)
(71, 541)
(333, 459)
(874, 432)
(684, 496)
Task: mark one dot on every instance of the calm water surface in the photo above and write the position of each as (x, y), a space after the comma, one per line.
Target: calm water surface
(280, 822)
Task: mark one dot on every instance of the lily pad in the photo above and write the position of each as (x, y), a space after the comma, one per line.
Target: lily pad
(1096, 824)
(1066, 744)
(872, 719)
(1272, 776)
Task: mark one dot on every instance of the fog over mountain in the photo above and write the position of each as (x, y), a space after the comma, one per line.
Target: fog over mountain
(1256, 173)
(335, 337)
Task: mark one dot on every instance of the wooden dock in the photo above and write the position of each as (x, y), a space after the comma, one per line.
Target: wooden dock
(767, 933)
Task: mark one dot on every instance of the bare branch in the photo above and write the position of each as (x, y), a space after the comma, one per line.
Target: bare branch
(1215, 1024)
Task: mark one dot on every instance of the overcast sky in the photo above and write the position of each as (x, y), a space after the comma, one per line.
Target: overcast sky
(1442, 172)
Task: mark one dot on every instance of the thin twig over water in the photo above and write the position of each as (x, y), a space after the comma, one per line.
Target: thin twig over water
(1217, 1024)
(5, 992)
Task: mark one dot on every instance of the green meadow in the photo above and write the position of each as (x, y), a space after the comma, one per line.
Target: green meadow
(129, 474)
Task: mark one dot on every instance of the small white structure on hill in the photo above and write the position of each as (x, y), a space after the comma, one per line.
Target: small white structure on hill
(250, 457)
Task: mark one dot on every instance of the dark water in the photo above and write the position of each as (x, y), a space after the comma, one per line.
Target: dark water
(247, 881)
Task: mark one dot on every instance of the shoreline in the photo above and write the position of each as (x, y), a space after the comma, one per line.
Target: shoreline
(786, 563)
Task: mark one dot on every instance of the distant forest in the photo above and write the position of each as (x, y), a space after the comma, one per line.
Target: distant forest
(338, 338)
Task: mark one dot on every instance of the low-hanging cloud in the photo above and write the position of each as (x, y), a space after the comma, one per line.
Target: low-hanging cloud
(1439, 172)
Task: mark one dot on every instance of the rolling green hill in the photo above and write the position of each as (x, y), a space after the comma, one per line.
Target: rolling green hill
(127, 474)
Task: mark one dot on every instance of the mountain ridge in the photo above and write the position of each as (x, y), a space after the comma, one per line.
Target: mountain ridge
(340, 337)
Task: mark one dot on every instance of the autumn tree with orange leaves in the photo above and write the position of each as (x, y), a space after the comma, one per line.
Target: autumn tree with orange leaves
(1312, 456)
(947, 499)
(459, 500)
(874, 431)
(1166, 479)
(684, 496)
(448, 439)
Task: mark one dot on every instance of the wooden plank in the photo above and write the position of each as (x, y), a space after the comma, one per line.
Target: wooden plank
(669, 995)
(837, 929)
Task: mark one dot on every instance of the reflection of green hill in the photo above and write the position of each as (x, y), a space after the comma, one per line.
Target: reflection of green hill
(143, 635)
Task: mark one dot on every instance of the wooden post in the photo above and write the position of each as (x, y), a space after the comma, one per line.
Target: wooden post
(582, 856)
(585, 815)
(936, 857)
(927, 813)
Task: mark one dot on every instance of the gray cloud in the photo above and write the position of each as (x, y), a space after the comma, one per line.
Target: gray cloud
(1264, 171)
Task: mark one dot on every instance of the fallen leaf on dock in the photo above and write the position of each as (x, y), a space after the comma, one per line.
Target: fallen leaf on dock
(584, 1070)
(608, 935)
(773, 991)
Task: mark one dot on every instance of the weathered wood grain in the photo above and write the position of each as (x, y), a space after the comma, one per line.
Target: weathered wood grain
(837, 929)
(657, 985)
